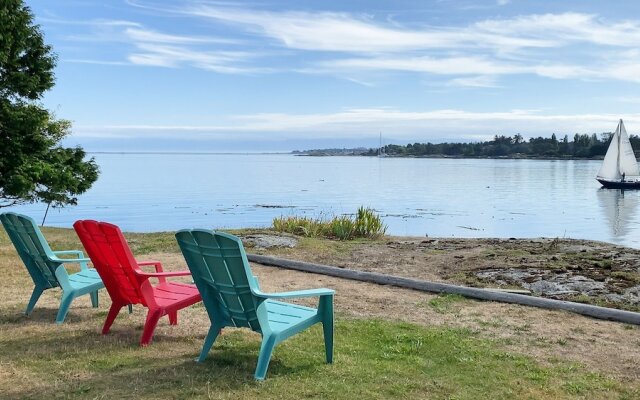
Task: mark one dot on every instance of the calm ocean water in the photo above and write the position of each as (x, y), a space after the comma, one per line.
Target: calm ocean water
(435, 197)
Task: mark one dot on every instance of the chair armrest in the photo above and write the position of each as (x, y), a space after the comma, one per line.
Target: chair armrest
(162, 274)
(296, 294)
(156, 264)
(80, 260)
(70, 260)
(79, 253)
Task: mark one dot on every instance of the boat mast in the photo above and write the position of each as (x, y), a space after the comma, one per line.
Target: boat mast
(619, 138)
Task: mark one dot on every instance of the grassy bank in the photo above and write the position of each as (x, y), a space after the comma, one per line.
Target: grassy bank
(375, 357)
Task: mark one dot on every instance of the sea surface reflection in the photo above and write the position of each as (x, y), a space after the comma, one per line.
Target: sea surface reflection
(619, 208)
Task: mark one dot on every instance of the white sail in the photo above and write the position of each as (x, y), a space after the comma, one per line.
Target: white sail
(619, 158)
(627, 164)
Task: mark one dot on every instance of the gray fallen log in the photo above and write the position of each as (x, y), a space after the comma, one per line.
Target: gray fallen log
(611, 314)
(516, 291)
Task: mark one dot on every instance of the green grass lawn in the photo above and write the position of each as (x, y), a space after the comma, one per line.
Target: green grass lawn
(374, 358)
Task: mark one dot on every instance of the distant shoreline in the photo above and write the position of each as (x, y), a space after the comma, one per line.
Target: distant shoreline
(513, 157)
(308, 154)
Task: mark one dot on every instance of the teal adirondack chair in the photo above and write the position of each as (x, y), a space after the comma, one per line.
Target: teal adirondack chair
(232, 297)
(47, 268)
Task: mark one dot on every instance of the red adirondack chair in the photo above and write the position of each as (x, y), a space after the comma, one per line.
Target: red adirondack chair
(127, 284)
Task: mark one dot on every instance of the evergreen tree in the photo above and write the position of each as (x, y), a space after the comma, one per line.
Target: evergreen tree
(33, 164)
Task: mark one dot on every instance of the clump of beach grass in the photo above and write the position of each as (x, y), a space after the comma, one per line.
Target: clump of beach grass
(366, 224)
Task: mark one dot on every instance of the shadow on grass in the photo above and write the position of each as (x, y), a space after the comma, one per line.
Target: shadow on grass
(374, 359)
(41, 315)
(82, 362)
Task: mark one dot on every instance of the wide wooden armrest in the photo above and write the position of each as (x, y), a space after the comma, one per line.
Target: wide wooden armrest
(296, 294)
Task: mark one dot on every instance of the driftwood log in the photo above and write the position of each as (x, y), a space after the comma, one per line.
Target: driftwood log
(610, 314)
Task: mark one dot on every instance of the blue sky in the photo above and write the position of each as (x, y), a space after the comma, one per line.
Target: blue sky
(283, 75)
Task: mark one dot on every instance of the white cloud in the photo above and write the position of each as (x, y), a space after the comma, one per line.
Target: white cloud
(139, 34)
(148, 47)
(482, 81)
(92, 22)
(559, 46)
(364, 122)
(445, 65)
(162, 55)
(328, 31)
(566, 28)
(538, 44)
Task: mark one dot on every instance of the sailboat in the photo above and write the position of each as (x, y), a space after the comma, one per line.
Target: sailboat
(619, 169)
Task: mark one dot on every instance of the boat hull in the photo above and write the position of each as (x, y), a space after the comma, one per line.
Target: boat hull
(619, 185)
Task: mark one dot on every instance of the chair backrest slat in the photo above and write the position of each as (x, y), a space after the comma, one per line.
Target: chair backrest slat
(112, 258)
(220, 269)
(32, 248)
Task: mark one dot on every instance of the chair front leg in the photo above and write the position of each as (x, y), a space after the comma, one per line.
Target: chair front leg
(214, 331)
(326, 310)
(153, 317)
(111, 316)
(65, 303)
(266, 349)
(37, 292)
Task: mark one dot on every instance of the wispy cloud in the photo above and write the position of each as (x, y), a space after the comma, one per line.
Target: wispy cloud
(566, 45)
(471, 65)
(162, 55)
(538, 44)
(481, 81)
(361, 122)
(566, 28)
(140, 35)
(148, 47)
(92, 22)
(329, 31)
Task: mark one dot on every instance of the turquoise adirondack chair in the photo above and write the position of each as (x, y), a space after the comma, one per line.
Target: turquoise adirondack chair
(47, 268)
(232, 297)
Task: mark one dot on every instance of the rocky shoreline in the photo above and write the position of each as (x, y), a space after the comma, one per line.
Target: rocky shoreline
(566, 269)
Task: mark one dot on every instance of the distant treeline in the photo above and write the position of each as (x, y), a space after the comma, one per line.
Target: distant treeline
(511, 146)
